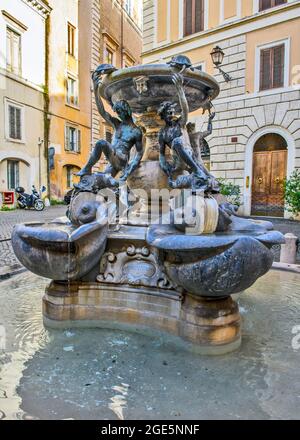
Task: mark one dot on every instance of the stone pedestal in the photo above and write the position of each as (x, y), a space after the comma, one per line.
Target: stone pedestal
(207, 327)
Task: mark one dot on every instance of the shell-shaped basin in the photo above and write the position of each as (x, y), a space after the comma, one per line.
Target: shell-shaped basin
(59, 250)
(215, 265)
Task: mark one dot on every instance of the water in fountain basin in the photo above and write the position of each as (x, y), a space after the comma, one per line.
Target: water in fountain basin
(104, 374)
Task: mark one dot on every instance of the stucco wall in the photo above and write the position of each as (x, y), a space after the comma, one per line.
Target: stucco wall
(60, 66)
(26, 91)
(33, 40)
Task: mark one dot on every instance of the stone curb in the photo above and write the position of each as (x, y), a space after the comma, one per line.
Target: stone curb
(286, 267)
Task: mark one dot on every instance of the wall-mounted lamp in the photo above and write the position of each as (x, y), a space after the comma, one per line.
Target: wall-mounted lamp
(217, 56)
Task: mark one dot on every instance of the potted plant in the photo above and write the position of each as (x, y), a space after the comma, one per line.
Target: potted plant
(231, 191)
(292, 194)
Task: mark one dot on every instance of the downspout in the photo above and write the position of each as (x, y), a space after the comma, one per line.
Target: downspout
(122, 32)
(46, 105)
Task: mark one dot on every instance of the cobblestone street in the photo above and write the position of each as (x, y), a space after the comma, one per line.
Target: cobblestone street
(9, 219)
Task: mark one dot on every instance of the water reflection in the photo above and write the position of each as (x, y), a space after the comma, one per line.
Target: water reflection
(103, 374)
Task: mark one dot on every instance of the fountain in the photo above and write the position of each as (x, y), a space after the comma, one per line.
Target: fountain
(125, 258)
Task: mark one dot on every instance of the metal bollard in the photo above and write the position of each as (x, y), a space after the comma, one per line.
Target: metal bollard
(288, 254)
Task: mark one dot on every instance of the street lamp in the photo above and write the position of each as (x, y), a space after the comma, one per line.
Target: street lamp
(217, 56)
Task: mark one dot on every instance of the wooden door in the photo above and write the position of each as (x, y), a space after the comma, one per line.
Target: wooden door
(269, 172)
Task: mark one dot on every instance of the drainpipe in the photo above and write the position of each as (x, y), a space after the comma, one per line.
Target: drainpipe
(122, 31)
(40, 143)
(46, 105)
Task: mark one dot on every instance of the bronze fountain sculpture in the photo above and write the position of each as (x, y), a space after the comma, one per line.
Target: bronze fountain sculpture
(175, 273)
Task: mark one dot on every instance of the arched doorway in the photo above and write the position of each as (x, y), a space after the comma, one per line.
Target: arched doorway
(70, 176)
(269, 172)
(15, 172)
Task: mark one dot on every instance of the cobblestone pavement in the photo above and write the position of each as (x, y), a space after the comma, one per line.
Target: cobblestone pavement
(9, 219)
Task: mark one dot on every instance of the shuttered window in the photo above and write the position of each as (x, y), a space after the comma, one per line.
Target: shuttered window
(193, 16)
(72, 139)
(14, 121)
(272, 67)
(13, 51)
(71, 39)
(267, 4)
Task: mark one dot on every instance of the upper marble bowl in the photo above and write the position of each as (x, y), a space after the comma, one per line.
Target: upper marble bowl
(147, 86)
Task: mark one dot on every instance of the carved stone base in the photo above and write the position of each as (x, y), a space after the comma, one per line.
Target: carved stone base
(207, 327)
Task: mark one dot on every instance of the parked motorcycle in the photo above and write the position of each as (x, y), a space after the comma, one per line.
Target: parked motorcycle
(33, 200)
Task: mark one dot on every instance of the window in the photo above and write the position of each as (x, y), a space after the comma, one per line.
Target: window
(272, 67)
(69, 176)
(14, 122)
(108, 56)
(72, 91)
(71, 39)
(193, 16)
(267, 4)
(13, 171)
(72, 141)
(128, 61)
(13, 51)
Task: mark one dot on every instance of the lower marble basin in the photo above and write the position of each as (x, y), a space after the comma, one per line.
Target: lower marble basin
(215, 265)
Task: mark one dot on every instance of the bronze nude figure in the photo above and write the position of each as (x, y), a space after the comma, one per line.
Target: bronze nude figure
(126, 136)
(197, 138)
(175, 136)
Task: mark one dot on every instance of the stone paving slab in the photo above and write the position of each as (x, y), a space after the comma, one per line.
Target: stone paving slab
(10, 218)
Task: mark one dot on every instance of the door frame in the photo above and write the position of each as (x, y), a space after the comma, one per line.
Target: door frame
(248, 177)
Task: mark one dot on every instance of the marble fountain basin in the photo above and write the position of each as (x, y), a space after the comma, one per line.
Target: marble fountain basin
(145, 87)
(215, 265)
(62, 250)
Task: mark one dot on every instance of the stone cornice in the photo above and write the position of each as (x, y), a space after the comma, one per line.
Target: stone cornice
(40, 6)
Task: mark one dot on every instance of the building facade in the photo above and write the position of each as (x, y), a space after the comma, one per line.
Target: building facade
(82, 35)
(23, 153)
(117, 40)
(256, 139)
(69, 106)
